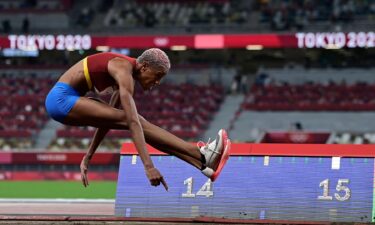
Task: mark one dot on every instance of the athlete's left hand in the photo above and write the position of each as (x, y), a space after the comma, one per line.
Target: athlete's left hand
(84, 167)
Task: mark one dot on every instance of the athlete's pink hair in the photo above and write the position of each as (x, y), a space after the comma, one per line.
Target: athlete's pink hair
(156, 58)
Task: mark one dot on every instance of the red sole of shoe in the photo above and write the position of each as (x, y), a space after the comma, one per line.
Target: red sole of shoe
(224, 157)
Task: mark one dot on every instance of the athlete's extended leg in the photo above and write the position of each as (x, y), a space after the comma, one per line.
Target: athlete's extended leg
(171, 144)
(215, 154)
(87, 112)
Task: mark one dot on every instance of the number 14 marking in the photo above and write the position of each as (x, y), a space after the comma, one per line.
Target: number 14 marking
(205, 190)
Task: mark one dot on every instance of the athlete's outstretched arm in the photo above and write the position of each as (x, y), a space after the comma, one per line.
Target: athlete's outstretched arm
(121, 71)
(97, 139)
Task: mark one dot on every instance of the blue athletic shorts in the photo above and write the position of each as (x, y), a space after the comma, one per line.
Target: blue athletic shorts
(60, 100)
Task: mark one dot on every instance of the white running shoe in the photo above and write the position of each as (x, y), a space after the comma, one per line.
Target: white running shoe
(216, 154)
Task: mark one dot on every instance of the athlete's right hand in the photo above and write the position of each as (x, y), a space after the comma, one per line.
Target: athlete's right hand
(156, 178)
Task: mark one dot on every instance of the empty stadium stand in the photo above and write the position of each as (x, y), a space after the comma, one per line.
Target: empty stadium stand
(319, 100)
(22, 114)
(173, 16)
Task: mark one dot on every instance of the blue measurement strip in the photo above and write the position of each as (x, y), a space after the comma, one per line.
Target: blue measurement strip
(253, 187)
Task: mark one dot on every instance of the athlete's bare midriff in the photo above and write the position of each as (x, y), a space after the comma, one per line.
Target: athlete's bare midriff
(75, 77)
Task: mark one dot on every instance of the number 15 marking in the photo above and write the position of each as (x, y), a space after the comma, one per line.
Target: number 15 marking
(339, 187)
(205, 190)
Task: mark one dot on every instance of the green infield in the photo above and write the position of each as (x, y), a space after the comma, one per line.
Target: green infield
(57, 189)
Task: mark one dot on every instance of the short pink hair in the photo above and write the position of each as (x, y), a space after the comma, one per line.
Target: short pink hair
(155, 58)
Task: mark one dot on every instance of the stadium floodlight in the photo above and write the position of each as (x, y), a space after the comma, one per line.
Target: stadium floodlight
(102, 48)
(254, 47)
(178, 48)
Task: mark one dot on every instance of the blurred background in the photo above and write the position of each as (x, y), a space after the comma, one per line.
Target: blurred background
(269, 71)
